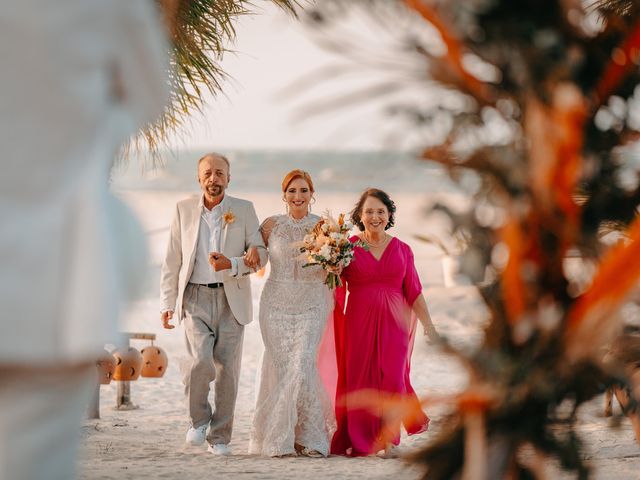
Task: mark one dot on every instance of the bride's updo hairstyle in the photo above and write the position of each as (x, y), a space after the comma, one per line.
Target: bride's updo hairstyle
(297, 173)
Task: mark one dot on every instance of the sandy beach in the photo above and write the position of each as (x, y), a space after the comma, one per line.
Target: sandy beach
(149, 442)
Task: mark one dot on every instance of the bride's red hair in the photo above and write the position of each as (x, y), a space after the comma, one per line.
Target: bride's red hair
(297, 173)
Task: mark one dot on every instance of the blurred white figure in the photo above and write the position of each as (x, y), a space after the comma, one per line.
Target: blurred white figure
(77, 78)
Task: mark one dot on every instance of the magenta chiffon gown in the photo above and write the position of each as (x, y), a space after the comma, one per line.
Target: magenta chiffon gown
(374, 340)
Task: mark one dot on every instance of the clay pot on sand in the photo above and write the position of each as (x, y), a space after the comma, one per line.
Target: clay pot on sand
(154, 361)
(128, 364)
(106, 365)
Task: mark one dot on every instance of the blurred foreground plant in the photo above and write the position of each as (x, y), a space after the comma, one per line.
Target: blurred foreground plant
(539, 99)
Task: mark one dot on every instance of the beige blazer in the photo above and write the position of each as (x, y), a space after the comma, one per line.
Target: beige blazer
(237, 237)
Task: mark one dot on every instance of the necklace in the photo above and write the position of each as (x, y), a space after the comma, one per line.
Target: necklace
(297, 220)
(376, 245)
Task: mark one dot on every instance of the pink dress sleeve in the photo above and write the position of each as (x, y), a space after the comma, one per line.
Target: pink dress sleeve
(411, 285)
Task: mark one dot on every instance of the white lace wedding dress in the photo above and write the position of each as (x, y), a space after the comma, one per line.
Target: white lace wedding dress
(292, 405)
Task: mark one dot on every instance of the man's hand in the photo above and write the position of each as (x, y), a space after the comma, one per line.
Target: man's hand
(252, 258)
(165, 317)
(219, 262)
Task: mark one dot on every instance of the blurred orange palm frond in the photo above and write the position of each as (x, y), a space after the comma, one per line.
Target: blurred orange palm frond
(569, 115)
(465, 81)
(556, 139)
(623, 59)
(391, 407)
(476, 398)
(394, 409)
(513, 288)
(617, 274)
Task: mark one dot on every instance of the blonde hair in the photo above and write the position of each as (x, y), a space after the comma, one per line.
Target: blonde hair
(297, 173)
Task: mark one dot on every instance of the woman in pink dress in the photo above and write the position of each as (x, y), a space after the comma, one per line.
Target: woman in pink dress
(374, 338)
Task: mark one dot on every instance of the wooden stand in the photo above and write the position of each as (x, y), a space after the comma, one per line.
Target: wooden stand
(123, 395)
(93, 412)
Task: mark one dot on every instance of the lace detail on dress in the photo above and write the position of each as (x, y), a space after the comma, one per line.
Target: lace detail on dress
(292, 405)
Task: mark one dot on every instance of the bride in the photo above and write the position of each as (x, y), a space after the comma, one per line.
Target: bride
(293, 414)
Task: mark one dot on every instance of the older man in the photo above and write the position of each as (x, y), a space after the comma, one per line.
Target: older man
(204, 279)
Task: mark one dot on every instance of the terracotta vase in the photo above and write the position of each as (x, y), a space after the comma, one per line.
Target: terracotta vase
(128, 364)
(154, 361)
(106, 365)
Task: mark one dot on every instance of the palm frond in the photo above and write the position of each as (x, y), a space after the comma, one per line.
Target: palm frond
(200, 31)
(622, 8)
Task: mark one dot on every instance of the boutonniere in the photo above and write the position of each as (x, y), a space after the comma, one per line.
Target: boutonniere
(228, 218)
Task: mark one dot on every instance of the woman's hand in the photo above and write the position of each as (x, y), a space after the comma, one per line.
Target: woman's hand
(432, 334)
(252, 258)
(422, 312)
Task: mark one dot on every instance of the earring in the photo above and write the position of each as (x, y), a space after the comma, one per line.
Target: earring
(286, 205)
(311, 202)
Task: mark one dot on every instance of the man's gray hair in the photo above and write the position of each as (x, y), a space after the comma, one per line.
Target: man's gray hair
(215, 155)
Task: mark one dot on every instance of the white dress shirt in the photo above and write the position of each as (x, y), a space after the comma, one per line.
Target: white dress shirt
(209, 240)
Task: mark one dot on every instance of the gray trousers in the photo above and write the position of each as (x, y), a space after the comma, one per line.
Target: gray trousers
(214, 342)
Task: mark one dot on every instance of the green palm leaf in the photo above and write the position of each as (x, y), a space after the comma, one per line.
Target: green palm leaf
(200, 31)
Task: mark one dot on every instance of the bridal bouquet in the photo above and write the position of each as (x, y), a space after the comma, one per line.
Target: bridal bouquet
(328, 245)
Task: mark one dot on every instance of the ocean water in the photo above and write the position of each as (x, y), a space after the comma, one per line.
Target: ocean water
(339, 177)
(262, 171)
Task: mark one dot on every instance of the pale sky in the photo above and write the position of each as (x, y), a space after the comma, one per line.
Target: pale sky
(274, 51)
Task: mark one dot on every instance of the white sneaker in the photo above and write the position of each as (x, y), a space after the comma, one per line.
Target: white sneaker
(219, 449)
(196, 436)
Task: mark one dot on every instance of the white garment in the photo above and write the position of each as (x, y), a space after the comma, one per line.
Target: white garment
(40, 421)
(292, 405)
(209, 236)
(78, 77)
